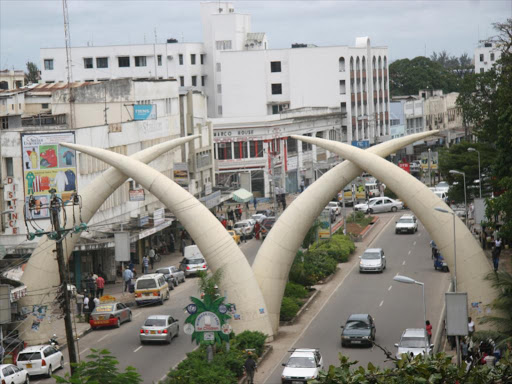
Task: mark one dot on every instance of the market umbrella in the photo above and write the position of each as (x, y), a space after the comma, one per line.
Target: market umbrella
(242, 195)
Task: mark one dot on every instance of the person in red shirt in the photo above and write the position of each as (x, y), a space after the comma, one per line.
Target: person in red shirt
(100, 284)
(428, 327)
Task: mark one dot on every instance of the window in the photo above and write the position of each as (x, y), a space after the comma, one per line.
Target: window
(341, 64)
(9, 166)
(4, 122)
(256, 148)
(19, 83)
(193, 59)
(140, 61)
(182, 81)
(180, 58)
(225, 151)
(45, 106)
(194, 81)
(123, 61)
(202, 58)
(102, 62)
(291, 146)
(277, 89)
(88, 62)
(342, 87)
(223, 44)
(219, 88)
(159, 59)
(481, 70)
(275, 66)
(240, 150)
(203, 81)
(219, 110)
(48, 64)
(492, 56)
(217, 66)
(481, 57)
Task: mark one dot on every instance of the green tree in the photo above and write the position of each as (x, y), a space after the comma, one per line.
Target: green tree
(32, 74)
(101, 368)
(209, 284)
(461, 66)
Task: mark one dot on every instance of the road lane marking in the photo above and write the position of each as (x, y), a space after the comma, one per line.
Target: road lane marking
(104, 337)
(414, 243)
(382, 302)
(409, 253)
(389, 289)
(137, 314)
(137, 349)
(85, 350)
(419, 234)
(403, 263)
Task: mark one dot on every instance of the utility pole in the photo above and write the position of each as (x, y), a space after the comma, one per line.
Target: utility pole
(55, 207)
(276, 207)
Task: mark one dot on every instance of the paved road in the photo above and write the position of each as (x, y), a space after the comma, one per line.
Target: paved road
(152, 361)
(395, 306)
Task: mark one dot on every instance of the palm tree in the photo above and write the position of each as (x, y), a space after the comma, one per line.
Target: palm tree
(209, 284)
(502, 306)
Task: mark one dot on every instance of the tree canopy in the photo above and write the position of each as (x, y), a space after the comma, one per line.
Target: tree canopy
(32, 74)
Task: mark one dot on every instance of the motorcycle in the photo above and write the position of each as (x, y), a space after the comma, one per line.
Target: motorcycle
(440, 264)
(53, 342)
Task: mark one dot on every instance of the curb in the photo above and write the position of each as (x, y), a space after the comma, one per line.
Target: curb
(330, 277)
(367, 229)
(268, 349)
(302, 309)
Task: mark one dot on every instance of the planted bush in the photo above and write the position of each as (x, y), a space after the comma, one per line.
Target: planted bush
(250, 340)
(295, 290)
(289, 308)
(318, 264)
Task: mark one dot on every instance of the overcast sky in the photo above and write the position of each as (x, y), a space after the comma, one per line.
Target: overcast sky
(409, 28)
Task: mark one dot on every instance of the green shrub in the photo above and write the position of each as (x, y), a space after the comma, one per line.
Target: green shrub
(250, 340)
(295, 290)
(289, 308)
(317, 266)
(297, 273)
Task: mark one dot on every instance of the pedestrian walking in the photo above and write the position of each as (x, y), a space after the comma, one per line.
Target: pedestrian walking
(145, 264)
(302, 185)
(127, 277)
(247, 205)
(86, 308)
(100, 285)
(428, 327)
(183, 245)
(91, 286)
(96, 301)
(495, 259)
(171, 243)
(152, 255)
(257, 228)
(250, 367)
(255, 203)
(92, 304)
(497, 245)
(471, 327)
(79, 303)
(242, 236)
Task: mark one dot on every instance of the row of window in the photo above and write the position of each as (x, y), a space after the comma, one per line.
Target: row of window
(482, 57)
(181, 58)
(193, 81)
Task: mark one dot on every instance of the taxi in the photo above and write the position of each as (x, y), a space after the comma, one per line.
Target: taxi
(234, 236)
(110, 315)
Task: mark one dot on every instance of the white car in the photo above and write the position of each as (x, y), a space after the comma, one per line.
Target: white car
(245, 226)
(384, 204)
(302, 366)
(442, 195)
(258, 217)
(364, 206)
(40, 360)
(372, 260)
(11, 374)
(406, 224)
(443, 186)
(334, 206)
(413, 341)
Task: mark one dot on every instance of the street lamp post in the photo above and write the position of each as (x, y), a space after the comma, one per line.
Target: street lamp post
(454, 172)
(479, 173)
(408, 280)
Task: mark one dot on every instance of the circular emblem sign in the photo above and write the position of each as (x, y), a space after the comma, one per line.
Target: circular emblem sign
(223, 308)
(191, 309)
(226, 329)
(188, 329)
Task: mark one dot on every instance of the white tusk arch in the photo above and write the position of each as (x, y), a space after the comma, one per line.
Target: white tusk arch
(215, 243)
(472, 265)
(41, 274)
(275, 256)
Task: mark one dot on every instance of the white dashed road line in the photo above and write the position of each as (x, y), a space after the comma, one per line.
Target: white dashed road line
(403, 263)
(382, 302)
(104, 337)
(409, 253)
(414, 243)
(85, 350)
(137, 314)
(137, 349)
(389, 289)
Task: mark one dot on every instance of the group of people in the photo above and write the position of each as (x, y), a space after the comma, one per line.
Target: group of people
(94, 285)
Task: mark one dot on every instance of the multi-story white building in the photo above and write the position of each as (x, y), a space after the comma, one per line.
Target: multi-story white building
(486, 56)
(11, 79)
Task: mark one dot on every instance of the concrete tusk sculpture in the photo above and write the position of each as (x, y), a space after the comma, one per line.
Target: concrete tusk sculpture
(472, 265)
(275, 256)
(41, 273)
(215, 243)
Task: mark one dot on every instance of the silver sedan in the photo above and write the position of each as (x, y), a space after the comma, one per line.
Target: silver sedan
(172, 275)
(159, 328)
(384, 204)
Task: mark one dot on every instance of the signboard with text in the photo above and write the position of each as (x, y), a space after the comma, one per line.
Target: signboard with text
(180, 173)
(363, 144)
(405, 166)
(144, 112)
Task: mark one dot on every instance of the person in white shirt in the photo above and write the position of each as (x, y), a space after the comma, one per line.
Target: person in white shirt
(86, 308)
(96, 301)
(471, 326)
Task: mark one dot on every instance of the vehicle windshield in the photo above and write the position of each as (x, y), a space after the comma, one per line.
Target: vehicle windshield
(154, 323)
(406, 221)
(356, 324)
(194, 261)
(371, 256)
(29, 356)
(301, 362)
(442, 184)
(104, 308)
(412, 342)
(146, 284)
(164, 271)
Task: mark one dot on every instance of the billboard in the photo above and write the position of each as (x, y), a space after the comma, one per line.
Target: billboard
(434, 160)
(144, 112)
(324, 227)
(405, 166)
(456, 313)
(46, 166)
(180, 173)
(363, 144)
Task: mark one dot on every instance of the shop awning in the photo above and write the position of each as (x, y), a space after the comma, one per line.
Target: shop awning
(242, 195)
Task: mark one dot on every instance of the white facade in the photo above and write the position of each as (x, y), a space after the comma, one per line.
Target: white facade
(486, 56)
(11, 79)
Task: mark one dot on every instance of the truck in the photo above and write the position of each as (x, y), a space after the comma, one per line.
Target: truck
(364, 187)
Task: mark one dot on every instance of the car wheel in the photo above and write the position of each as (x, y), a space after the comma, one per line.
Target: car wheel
(93, 328)
(62, 362)
(394, 209)
(396, 232)
(183, 279)
(27, 380)
(130, 317)
(445, 269)
(171, 285)
(370, 210)
(49, 373)
(161, 301)
(118, 323)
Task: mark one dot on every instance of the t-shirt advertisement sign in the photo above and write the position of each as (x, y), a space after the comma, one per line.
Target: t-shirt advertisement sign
(48, 165)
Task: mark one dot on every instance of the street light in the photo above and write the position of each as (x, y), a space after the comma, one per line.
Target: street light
(479, 175)
(408, 280)
(454, 172)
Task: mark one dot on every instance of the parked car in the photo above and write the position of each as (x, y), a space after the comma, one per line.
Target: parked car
(413, 341)
(406, 224)
(372, 260)
(151, 288)
(258, 217)
(110, 314)
(303, 365)
(40, 360)
(235, 236)
(172, 275)
(329, 212)
(159, 328)
(358, 330)
(266, 226)
(246, 227)
(335, 207)
(384, 204)
(11, 374)
(193, 266)
(266, 212)
(364, 206)
(442, 195)
(443, 186)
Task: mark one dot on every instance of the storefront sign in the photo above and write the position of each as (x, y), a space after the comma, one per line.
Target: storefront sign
(144, 112)
(405, 166)
(363, 144)
(180, 173)
(207, 188)
(433, 160)
(5, 304)
(211, 200)
(143, 220)
(122, 248)
(158, 216)
(12, 196)
(137, 194)
(233, 133)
